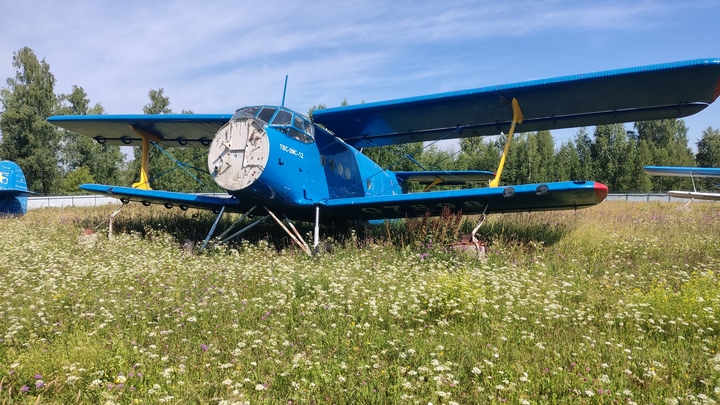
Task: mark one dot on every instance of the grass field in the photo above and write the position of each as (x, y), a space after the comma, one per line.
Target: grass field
(614, 304)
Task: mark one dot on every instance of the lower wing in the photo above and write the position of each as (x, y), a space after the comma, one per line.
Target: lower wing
(567, 195)
(167, 198)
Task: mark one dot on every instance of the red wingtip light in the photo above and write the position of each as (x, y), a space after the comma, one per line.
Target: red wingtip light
(601, 191)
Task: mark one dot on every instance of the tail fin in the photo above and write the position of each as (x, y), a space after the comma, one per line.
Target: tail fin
(13, 189)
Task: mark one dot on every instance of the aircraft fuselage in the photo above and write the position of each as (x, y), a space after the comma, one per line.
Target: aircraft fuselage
(278, 158)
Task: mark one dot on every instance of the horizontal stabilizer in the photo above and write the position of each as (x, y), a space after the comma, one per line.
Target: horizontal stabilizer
(452, 178)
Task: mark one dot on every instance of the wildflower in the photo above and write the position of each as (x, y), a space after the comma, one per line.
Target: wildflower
(24, 388)
(259, 387)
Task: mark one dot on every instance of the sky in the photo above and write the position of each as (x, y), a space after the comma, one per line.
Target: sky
(217, 56)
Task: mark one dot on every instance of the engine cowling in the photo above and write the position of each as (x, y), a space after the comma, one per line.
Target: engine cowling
(239, 153)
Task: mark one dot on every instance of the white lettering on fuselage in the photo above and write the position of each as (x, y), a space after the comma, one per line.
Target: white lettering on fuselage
(292, 151)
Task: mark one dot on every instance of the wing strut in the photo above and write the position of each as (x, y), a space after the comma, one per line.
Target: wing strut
(214, 225)
(434, 183)
(316, 237)
(144, 183)
(517, 119)
(692, 178)
(296, 237)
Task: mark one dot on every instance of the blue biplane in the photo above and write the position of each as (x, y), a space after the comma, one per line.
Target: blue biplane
(272, 159)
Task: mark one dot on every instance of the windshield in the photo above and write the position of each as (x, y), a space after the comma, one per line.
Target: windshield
(282, 119)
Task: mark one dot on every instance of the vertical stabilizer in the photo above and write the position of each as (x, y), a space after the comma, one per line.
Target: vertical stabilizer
(13, 189)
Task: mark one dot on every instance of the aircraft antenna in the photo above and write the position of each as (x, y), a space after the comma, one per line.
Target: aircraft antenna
(284, 90)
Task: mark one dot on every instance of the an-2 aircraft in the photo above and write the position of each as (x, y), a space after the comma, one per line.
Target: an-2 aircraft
(693, 173)
(272, 159)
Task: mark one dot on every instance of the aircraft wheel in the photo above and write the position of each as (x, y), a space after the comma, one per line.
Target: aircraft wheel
(146, 203)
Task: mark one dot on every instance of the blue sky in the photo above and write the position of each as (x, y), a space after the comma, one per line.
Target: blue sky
(217, 56)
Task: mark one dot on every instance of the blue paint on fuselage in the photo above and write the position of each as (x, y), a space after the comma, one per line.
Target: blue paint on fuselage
(300, 175)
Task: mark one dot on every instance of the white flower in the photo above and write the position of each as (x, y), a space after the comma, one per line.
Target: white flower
(259, 387)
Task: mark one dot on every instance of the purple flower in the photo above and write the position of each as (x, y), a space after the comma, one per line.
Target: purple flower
(24, 388)
(38, 376)
(39, 384)
(204, 347)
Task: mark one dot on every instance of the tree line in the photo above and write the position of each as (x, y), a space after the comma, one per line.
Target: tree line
(57, 161)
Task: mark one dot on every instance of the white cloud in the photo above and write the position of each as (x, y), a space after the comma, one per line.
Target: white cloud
(216, 56)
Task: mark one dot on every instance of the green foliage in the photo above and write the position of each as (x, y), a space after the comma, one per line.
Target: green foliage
(74, 179)
(27, 138)
(104, 162)
(709, 148)
(401, 157)
(667, 141)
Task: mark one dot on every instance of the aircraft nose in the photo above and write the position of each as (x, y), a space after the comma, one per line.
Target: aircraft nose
(601, 191)
(238, 154)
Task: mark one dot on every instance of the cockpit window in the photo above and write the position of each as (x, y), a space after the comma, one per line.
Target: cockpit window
(246, 112)
(266, 114)
(282, 118)
(286, 121)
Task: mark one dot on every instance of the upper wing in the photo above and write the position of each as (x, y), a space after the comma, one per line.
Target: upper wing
(522, 198)
(670, 90)
(682, 171)
(188, 130)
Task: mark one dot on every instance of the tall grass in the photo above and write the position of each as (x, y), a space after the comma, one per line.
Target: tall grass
(614, 304)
